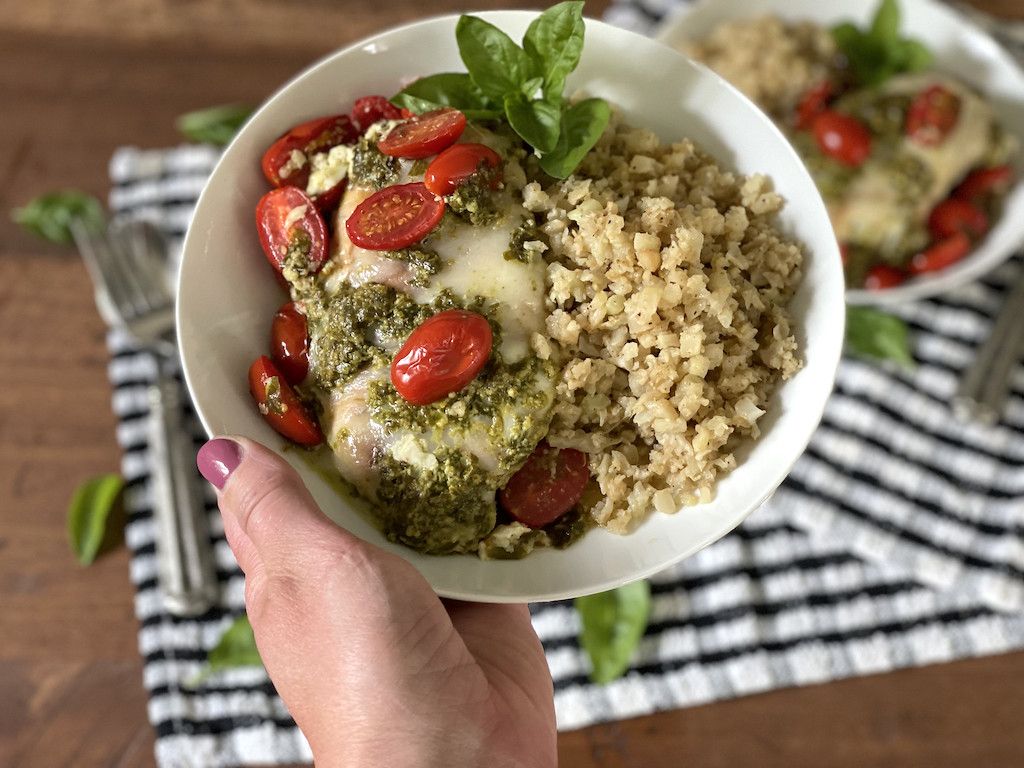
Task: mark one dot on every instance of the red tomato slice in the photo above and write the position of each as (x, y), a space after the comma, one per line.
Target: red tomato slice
(842, 137)
(424, 135)
(369, 109)
(882, 276)
(281, 165)
(547, 486)
(289, 342)
(280, 406)
(813, 103)
(982, 183)
(956, 215)
(291, 230)
(932, 115)
(441, 356)
(394, 217)
(941, 254)
(457, 163)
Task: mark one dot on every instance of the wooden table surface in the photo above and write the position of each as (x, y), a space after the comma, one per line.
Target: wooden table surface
(81, 78)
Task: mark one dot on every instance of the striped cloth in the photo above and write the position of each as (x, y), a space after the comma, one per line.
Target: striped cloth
(897, 541)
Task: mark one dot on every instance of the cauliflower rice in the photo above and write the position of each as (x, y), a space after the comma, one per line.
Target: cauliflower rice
(668, 288)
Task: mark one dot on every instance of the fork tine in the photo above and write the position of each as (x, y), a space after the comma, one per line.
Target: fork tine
(145, 250)
(127, 268)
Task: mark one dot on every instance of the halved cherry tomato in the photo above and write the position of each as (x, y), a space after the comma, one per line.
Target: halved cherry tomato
(842, 137)
(424, 135)
(291, 230)
(286, 161)
(955, 215)
(882, 276)
(442, 355)
(457, 163)
(279, 404)
(289, 342)
(813, 103)
(394, 217)
(547, 486)
(941, 254)
(983, 183)
(369, 109)
(931, 115)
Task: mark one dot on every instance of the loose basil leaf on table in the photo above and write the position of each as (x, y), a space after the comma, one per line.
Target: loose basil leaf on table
(49, 216)
(214, 125)
(613, 623)
(90, 514)
(874, 334)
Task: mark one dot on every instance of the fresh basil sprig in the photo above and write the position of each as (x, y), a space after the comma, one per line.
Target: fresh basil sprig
(89, 516)
(235, 648)
(524, 84)
(874, 334)
(49, 216)
(613, 623)
(879, 53)
(213, 125)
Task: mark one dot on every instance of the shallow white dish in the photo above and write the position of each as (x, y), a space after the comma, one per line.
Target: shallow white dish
(960, 49)
(228, 295)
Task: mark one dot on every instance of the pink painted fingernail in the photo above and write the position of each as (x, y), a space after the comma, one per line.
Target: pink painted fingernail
(218, 459)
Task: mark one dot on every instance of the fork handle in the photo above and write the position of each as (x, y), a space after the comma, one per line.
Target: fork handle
(183, 548)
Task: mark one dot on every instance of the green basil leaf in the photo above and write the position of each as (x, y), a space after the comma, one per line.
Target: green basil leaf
(537, 121)
(88, 515)
(880, 53)
(447, 89)
(215, 125)
(496, 64)
(582, 125)
(885, 26)
(554, 41)
(235, 648)
(49, 216)
(613, 623)
(914, 56)
(870, 333)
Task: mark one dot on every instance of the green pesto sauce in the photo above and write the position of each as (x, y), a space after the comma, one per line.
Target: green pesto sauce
(523, 234)
(489, 397)
(424, 261)
(372, 168)
(561, 533)
(352, 329)
(473, 199)
(445, 511)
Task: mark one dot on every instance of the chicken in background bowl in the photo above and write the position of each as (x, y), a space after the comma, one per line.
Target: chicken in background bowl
(915, 153)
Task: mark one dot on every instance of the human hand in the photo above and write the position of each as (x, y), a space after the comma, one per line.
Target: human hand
(374, 667)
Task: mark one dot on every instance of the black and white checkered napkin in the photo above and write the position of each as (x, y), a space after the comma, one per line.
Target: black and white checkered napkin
(897, 541)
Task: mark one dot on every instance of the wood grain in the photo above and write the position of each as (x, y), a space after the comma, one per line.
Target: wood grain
(82, 78)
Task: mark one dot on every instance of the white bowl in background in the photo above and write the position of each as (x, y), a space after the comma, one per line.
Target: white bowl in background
(228, 295)
(960, 48)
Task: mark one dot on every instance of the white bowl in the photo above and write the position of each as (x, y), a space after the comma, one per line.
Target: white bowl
(960, 49)
(228, 295)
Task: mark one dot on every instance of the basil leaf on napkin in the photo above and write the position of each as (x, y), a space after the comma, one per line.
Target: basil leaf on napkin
(235, 648)
(89, 514)
(49, 216)
(214, 125)
(871, 333)
(613, 623)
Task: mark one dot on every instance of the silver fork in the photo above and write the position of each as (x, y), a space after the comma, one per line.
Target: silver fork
(127, 265)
